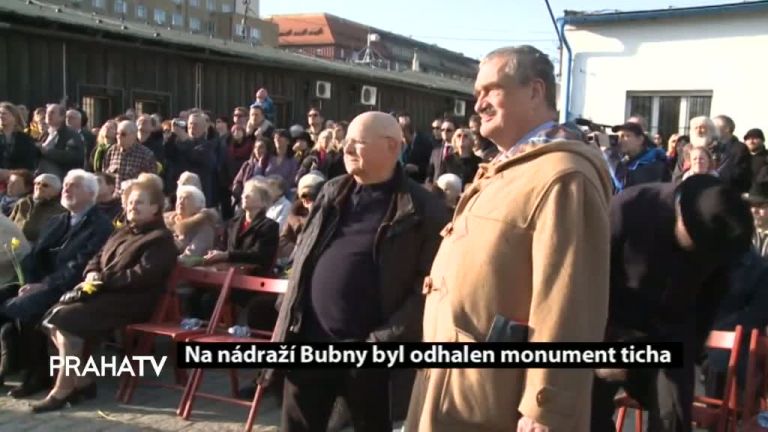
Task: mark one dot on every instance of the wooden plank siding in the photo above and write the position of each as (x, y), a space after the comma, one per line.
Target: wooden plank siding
(31, 67)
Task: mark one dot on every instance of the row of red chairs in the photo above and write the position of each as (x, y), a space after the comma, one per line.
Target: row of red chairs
(139, 339)
(721, 414)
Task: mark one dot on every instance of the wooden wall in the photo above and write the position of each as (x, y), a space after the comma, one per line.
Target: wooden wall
(31, 73)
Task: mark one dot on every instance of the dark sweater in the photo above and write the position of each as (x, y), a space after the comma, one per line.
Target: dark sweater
(344, 301)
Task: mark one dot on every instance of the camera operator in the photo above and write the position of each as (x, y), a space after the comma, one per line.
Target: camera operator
(641, 161)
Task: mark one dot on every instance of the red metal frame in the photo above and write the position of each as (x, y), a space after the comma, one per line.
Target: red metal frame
(212, 335)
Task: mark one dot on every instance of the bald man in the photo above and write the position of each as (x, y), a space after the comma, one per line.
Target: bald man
(357, 276)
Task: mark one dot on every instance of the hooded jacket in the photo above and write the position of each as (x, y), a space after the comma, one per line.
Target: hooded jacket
(650, 166)
(529, 241)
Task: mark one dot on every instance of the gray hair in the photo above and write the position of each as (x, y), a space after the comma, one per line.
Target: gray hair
(128, 126)
(190, 179)
(261, 190)
(711, 130)
(526, 63)
(76, 113)
(277, 184)
(89, 181)
(52, 179)
(198, 199)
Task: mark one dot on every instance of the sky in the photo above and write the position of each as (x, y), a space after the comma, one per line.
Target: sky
(473, 28)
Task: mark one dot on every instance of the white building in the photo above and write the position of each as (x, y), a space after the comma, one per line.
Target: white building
(668, 65)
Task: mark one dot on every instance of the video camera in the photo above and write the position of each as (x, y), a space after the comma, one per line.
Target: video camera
(598, 128)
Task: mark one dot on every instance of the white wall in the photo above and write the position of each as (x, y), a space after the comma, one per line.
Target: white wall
(725, 54)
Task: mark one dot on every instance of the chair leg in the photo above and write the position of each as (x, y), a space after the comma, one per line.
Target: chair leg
(638, 420)
(185, 394)
(234, 383)
(620, 419)
(197, 379)
(127, 349)
(254, 408)
(143, 348)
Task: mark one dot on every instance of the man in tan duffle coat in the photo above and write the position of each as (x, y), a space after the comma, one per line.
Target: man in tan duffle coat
(529, 241)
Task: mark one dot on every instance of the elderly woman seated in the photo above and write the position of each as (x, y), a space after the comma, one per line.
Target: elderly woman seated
(193, 225)
(122, 284)
(20, 185)
(250, 238)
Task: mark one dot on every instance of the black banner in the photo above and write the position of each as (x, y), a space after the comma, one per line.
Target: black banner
(429, 355)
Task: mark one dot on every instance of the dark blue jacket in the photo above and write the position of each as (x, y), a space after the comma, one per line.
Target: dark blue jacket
(650, 166)
(58, 260)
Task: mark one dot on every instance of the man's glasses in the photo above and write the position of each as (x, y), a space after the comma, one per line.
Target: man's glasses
(447, 130)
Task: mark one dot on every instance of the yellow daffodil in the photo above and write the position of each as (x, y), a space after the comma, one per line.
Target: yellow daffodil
(15, 244)
(90, 287)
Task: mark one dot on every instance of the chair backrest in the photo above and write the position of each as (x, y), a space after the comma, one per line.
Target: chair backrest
(757, 373)
(730, 341)
(204, 277)
(259, 284)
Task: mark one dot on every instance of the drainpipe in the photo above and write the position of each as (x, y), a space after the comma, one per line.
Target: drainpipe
(566, 115)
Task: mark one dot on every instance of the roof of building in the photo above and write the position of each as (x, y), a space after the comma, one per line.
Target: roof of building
(304, 30)
(605, 17)
(33, 11)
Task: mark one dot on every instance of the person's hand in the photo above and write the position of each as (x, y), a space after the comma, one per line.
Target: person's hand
(31, 288)
(92, 277)
(71, 296)
(214, 257)
(411, 168)
(526, 424)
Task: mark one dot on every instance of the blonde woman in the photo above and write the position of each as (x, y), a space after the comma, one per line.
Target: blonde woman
(106, 138)
(463, 161)
(701, 163)
(20, 151)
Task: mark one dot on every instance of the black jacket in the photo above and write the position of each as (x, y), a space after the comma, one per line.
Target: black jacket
(404, 248)
(332, 165)
(437, 164)
(465, 168)
(256, 246)
(58, 260)
(735, 164)
(66, 154)
(89, 143)
(418, 152)
(155, 143)
(759, 161)
(19, 153)
(199, 156)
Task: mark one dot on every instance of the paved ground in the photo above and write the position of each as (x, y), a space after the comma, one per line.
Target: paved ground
(152, 409)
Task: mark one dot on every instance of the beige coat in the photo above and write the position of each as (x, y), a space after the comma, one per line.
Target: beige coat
(529, 241)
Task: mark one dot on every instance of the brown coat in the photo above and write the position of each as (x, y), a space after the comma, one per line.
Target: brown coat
(196, 235)
(31, 217)
(134, 267)
(529, 241)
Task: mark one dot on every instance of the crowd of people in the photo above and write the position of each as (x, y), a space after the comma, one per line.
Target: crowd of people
(559, 227)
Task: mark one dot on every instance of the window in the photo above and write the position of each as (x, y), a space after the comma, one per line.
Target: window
(255, 34)
(226, 8)
(239, 31)
(120, 7)
(141, 11)
(194, 3)
(177, 20)
(668, 113)
(211, 27)
(195, 25)
(159, 16)
(211, 5)
(177, 2)
(98, 4)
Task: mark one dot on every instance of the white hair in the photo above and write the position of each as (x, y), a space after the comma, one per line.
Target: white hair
(711, 131)
(451, 185)
(188, 178)
(198, 199)
(89, 181)
(52, 179)
(128, 126)
(260, 188)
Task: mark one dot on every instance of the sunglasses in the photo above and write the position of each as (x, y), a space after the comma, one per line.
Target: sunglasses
(448, 130)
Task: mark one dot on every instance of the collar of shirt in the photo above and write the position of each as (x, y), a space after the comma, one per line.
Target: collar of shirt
(527, 137)
(75, 218)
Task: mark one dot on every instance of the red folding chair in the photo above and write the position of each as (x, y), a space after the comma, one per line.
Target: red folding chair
(166, 322)
(721, 413)
(623, 402)
(216, 335)
(757, 376)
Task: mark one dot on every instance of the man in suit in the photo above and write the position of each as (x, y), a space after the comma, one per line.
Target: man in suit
(442, 152)
(55, 266)
(61, 148)
(416, 149)
(77, 121)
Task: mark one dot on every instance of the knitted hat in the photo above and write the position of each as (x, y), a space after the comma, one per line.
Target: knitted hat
(754, 133)
(718, 221)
